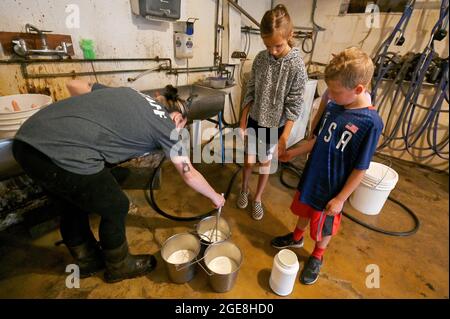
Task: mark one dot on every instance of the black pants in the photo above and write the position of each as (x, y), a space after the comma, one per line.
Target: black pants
(78, 195)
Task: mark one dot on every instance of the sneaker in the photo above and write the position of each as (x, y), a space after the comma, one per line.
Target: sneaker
(258, 211)
(286, 241)
(242, 201)
(311, 271)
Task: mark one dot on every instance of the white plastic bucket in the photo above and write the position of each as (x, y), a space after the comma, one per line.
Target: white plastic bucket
(10, 120)
(376, 185)
(25, 102)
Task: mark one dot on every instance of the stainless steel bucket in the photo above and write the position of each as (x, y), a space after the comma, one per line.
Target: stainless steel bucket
(180, 253)
(205, 230)
(223, 261)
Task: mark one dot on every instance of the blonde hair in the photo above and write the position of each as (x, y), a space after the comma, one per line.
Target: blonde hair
(351, 68)
(277, 20)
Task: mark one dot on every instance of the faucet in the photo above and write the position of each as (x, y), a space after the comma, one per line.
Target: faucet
(20, 46)
(29, 27)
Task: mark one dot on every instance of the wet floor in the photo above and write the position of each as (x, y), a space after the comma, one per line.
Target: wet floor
(415, 266)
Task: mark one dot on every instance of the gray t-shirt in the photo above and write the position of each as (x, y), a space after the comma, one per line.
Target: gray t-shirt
(109, 125)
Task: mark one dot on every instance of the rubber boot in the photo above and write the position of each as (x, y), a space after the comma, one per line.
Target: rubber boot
(120, 264)
(88, 257)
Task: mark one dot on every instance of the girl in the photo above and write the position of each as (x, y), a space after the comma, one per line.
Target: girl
(273, 100)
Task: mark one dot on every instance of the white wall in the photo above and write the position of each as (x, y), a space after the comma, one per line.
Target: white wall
(113, 27)
(349, 30)
(256, 9)
(118, 33)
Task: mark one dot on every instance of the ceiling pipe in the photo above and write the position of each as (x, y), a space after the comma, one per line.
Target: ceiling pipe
(242, 10)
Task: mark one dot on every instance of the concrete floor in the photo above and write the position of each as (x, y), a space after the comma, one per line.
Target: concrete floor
(410, 267)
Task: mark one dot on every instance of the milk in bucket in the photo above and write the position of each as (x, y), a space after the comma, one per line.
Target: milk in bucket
(210, 233)
(181, 256)
(222, 265)
(213, 235)
(223, 261)
(179, 253)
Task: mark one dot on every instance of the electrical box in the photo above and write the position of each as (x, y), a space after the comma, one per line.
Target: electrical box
(184, 45)
(157, 9)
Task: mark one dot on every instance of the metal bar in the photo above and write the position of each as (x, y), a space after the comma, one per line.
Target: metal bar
(39, 61)
(242, 10)
(27, 75)
(295, 28)
(312, 50)
(216, 31)
(222, 147)
(193, 70)
(296, 35)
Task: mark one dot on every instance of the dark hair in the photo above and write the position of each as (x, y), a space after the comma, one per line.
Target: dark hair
(172, 98)
(277, 19)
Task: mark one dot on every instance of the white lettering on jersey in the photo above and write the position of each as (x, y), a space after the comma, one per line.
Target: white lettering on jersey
(153, 103)
(345, 138)
(161, 114)
(156, 105)
(331, 128)
(323, 123)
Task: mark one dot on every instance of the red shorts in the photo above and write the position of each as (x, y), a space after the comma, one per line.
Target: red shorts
(321, 225)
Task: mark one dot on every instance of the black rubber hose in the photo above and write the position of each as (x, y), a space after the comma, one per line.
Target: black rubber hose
(297, 171)
(293, 169)
(151, 198)
(386, 232)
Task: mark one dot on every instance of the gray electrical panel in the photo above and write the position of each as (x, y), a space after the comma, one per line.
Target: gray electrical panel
(157, 9)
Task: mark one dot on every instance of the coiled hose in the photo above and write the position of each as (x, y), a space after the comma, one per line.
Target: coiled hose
(150, 197)
(298, 172)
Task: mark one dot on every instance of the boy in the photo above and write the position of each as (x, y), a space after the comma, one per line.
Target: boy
(341, 151)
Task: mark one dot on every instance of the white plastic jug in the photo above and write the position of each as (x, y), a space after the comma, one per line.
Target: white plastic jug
(284, 272)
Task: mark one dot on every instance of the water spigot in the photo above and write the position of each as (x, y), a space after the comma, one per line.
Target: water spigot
(29, 28)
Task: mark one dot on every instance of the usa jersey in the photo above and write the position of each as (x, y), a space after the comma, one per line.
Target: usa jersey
(346, 140)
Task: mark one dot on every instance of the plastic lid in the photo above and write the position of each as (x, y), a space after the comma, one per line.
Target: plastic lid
(287, 258)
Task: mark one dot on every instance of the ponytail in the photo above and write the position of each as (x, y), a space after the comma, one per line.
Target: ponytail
(174, 102)
(277, 19)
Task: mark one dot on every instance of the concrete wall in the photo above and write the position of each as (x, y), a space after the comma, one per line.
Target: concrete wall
(118, 33)
(351, 30)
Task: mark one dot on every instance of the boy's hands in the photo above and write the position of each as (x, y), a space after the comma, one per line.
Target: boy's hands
(304, 147)
(286, 156)
(282, 142)
(334, 206)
